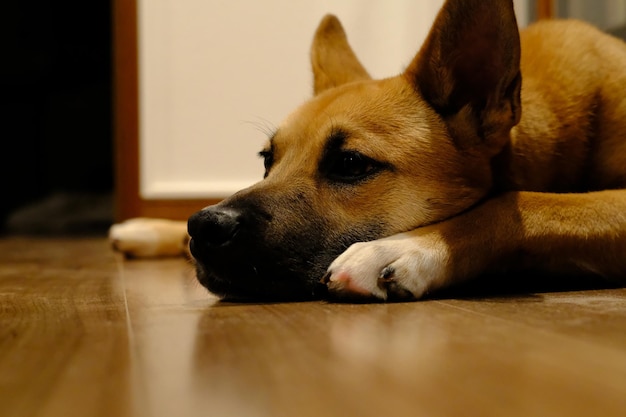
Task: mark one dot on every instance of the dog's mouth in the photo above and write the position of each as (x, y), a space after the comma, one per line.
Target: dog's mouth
(255, 275)
(241, 254)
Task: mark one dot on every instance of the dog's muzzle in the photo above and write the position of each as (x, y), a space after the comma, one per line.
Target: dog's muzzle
(239, 255)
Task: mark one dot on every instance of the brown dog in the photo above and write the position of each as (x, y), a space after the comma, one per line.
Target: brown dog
(473, 160)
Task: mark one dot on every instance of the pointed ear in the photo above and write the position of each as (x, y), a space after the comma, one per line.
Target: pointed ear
(332, 59)
(468, 70)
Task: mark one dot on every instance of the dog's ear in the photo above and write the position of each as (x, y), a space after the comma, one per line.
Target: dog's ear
(333, 61)
(468, 70)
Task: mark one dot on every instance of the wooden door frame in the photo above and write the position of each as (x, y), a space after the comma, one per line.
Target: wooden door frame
(545, 9)
(128, 201)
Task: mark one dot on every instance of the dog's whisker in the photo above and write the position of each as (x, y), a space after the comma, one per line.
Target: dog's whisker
(263, 125)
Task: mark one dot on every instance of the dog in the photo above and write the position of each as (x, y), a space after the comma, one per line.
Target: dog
(494, 150)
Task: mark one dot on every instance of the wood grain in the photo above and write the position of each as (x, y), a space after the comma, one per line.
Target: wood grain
(85, 333)
(63, 331)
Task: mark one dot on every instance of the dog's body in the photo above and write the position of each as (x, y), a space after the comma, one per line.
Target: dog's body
(389, 189)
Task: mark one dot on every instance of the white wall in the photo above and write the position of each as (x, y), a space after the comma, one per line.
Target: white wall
(215, 74)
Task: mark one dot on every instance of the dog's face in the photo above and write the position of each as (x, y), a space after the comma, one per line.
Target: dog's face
(362, 160)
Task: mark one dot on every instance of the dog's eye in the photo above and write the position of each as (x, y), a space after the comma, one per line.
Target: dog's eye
(268, 160)
(352, 166)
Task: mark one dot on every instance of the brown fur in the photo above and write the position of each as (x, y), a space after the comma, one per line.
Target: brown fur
(484, 158)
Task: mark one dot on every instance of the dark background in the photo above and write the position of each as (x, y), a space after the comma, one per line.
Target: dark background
(56, 155)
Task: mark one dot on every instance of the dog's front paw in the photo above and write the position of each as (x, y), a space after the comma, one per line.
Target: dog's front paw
(401, 267)
(144, 237)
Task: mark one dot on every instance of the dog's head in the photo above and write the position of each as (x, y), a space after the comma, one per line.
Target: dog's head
(365, 159)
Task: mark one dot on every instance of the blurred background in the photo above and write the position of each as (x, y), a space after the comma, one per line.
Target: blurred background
(212, 78)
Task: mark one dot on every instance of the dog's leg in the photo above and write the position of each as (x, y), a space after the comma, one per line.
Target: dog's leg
(561, 233)
(144, 237)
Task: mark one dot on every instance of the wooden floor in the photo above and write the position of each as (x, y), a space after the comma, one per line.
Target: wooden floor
(85, 333)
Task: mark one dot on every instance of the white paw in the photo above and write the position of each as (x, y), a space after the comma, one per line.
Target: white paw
(401, 267)
(144, 237)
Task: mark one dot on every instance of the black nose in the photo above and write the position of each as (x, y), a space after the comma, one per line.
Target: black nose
(214, 225)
